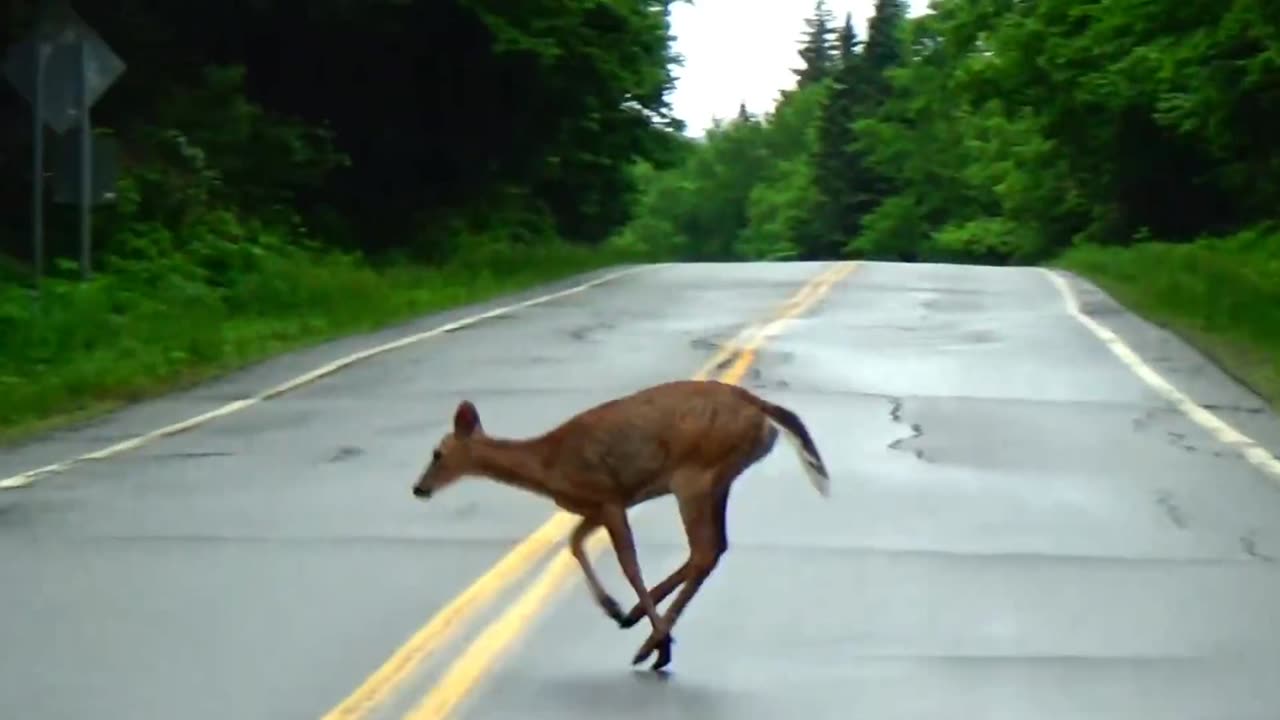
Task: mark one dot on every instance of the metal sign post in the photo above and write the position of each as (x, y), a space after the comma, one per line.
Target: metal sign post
(62, 69)
(86, 163)
(37, 164)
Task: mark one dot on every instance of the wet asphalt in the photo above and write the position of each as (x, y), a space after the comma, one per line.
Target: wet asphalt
(1019, 527)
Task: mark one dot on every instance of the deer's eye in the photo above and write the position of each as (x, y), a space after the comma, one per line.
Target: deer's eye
(435, 455)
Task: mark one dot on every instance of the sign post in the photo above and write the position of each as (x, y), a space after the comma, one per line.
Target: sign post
(62, 69)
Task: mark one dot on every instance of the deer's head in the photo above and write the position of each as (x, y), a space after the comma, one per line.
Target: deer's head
(453, 456)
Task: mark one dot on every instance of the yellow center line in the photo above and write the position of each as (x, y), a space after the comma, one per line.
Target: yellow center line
(747, 353)
(522, 558)
(734, 345)
(483, 653)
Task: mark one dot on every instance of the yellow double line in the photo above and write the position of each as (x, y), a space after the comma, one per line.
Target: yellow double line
(483, 653)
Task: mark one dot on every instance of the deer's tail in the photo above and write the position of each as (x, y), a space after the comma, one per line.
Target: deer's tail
(797, 434)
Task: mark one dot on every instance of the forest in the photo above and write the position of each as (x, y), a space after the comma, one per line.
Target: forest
(1129, 141)
(292, 174)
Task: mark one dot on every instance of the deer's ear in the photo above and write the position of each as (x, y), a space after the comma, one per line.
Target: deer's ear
(466, 419)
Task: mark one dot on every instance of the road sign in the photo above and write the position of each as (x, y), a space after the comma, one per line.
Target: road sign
(62, 69)
(62, 32)
(104, 160)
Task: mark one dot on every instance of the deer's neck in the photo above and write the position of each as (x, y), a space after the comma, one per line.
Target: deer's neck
(521, 463)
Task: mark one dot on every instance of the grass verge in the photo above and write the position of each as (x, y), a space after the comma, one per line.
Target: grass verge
(150, 326)
(1221, 295)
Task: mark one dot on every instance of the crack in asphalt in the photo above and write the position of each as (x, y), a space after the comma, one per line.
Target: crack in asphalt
(190, 455)
(586, 332)
(1249, 543)
(1149, 416)
(917, 431)
(346, 452)
(1178, 439)
(1172, 510)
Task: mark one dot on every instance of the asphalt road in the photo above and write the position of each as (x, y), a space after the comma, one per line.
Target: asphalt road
(1019, 527)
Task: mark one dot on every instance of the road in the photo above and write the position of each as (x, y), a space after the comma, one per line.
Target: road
(1020, 526)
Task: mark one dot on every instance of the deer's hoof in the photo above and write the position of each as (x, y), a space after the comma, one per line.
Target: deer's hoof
(613, 610)
(631, 618)
(664, 654)
(662, 643)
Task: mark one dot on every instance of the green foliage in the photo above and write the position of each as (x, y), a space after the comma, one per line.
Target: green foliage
(798, 182)
(277, 194)
(249, 156)
(746, 192)
(227, 293)
(840, 174)
(290, 176)
(370, 120)
(820, 49)
(998, 132)
(1052, 123)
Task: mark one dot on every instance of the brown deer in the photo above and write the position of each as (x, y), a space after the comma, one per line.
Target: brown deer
(688, 438)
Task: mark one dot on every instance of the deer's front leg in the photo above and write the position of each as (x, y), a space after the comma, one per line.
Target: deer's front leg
(614, 518)
(576, 539)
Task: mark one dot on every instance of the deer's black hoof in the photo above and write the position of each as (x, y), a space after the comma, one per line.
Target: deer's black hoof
(631, 618)
(660, 643)
(613, 610)
(664, 655)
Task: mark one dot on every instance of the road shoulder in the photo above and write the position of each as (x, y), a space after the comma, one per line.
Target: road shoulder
(1186, 366)
(88, 435)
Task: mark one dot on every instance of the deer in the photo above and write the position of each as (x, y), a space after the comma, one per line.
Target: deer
(687, 438)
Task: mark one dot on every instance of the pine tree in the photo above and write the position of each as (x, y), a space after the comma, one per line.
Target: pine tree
(846, 41)
(839, 173)
(885, 49)
(862, 189)
(818, 49)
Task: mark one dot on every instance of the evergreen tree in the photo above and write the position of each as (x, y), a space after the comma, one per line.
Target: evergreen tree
(846, 41)
(818, 47)
(840, 176)
(861, 187)
(885, 48)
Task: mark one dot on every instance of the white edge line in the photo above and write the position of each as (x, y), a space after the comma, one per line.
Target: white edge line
(30, 476)
(1249, 448)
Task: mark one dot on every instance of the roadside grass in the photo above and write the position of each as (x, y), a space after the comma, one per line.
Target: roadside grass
(148, 326)
(1221, 295)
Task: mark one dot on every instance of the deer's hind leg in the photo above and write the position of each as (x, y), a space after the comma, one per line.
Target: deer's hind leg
(703, 508)
(659, 592)
(669, 584)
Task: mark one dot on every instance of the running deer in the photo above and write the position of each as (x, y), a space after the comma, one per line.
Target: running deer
(688, 438)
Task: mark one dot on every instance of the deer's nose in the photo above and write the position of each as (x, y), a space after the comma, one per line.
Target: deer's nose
(421, 492)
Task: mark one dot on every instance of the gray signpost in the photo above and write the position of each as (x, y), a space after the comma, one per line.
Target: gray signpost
(62, 69)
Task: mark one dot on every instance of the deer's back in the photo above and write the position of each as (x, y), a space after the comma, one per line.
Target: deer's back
(640, 438)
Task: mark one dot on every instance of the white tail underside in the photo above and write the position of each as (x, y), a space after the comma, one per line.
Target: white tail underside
(812, 468)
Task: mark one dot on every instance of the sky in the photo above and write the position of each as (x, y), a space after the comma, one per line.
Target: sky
(743, 51)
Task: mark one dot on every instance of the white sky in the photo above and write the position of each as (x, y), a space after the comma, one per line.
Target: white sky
(743, 51)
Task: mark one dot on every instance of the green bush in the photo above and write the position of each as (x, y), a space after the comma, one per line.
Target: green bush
(231, 292)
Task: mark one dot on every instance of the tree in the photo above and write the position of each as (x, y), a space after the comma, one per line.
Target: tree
(884, 50)
(840, 175)
(557, 101)
(818, 48)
